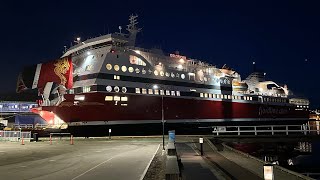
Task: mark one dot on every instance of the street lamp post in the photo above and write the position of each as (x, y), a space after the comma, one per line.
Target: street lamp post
(162, 120)
(156, 87)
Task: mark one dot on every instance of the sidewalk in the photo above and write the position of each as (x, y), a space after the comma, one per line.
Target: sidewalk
(194, 166)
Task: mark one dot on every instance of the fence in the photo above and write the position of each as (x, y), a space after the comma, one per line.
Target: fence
(305, 129)
(14, 136)
(30, 126)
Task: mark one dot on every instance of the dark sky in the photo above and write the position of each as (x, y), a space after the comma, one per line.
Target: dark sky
(278, 35)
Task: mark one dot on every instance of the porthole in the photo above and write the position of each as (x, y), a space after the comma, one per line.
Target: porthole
(161, 73)
(109, 67)
(183, 76)
(116, 89)
(124, 89)
(144, 71)
(156, 72)
(172, 75)
(109, 88)
(130, 69)
(124, 68)
(116, 67)
(137, 70)
(205, 79)
(167, 74)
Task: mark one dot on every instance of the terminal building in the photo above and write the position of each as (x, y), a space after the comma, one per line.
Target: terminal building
(16, 110)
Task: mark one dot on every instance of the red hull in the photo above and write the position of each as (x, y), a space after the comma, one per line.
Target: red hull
(148, 108)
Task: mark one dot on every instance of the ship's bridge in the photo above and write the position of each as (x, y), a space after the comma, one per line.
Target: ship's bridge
(118, 39)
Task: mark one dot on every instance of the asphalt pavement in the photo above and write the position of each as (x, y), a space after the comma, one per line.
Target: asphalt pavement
(86, 159)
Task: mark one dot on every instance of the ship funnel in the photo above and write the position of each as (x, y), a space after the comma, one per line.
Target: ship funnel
(133, 29)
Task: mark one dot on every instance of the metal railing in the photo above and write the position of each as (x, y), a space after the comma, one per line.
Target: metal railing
(267, 130)
(15, 136)
(30, 126)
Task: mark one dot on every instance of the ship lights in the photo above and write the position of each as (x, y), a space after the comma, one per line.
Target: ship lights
(137, 51)
(181, 61)
(79, 97)
(88, 53)
(180, 67)
(155, 86)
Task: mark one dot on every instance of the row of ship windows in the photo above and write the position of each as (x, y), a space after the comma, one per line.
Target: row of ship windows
(155, 72)
(157, 92)
(273, 100)
(225, 96)
(116, 98)
(302, 106)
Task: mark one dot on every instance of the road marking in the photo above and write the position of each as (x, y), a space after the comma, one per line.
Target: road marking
(98, 151)
(23, 166)
(146, 169)
(51, 160)
(93, 168)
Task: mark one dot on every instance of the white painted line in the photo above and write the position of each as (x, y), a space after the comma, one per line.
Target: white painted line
(51, 160)
(146, 169)
(93, 168)
(23, 166)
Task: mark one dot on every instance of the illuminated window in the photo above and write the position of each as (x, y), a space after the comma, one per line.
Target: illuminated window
(225, 96)
(124, 89)
(116, 98)
(173, 93)
(116, 77)
(183, 76)
(161, 92)
(109, 88)
(167, 74)
(229, 96)
(161, 73)
(131, 69)
(210, 95)
(89, 67)
(144, 71)
(156, 72)
(124, 68)
(150, 91)
(86, 89)
(137, 61)
(144, 91)
(71, 91)
(108, 98)
(138, 90)
(124, 98)
(116, 67)
(201, 94)
(109, 67)
(156, 91)
(79, 97)
(205, 95)
(172, 75)
(167, 92)
(137, 70)
(178, 93)
(116, 89)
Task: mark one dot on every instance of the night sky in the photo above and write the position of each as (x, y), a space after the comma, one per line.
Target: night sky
(283, 38)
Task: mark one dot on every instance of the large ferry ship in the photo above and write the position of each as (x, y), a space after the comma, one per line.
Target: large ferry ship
(109, 81)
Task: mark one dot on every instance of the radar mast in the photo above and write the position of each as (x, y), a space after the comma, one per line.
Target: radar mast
(133, 29)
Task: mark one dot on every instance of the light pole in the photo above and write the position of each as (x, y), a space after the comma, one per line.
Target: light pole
(156, 87)
(162, 120)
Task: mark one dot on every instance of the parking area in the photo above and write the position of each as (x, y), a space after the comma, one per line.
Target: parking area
(123, 158)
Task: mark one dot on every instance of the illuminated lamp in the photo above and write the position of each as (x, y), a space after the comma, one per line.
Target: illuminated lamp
(181, 60)
(112, 51)
(180, 67)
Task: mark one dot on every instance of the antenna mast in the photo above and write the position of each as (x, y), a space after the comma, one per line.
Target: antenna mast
(133, 29)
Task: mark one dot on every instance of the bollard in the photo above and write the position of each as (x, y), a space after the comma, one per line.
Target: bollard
(201, 147)
(50, 139)
(22, 142)
(71, 140)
